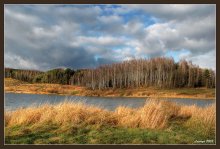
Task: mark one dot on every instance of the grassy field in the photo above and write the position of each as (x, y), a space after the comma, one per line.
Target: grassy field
(12, 85)
(157, 122)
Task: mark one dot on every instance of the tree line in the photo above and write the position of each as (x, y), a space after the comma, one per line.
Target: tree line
(59, 76)
(20, 74)
(159, 72)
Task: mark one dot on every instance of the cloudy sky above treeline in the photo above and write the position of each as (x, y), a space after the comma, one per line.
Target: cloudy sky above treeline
(43, 37)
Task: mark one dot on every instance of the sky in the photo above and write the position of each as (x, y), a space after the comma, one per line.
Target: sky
(44, 37)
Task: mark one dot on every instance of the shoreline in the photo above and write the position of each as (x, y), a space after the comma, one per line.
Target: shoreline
(16, 86)
(164, 97)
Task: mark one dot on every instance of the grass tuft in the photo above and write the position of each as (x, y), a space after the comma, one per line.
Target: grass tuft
(154, 114)
(68, 122)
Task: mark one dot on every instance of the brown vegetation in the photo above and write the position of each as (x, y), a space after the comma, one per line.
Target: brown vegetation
(16, 86)
(12, 85)
(154, 115)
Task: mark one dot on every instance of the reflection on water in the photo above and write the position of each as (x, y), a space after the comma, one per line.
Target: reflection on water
(14, 101)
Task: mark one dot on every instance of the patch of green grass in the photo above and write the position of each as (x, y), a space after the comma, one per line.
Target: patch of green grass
(121, 94)
(176, 133)
(74, 92)
(128, 93)
(190, 91)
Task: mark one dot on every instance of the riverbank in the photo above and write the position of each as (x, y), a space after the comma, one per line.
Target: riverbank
(158, 122)
(16, 86)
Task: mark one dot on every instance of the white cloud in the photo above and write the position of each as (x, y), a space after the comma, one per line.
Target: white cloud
(75, 35)
(176, 11)
(109, 19)
(21, 17)
(15, 61)
(102, 40)
(43, 32)
(206, 60)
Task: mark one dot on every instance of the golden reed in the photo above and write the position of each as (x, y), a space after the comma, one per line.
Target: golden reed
(155, 114)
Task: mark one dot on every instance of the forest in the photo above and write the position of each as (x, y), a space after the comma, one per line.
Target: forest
(159, 72)
(59, 76)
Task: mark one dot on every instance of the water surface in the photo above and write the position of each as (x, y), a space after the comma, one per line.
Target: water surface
(15, 100)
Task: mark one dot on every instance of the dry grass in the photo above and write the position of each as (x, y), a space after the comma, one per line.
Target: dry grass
(203, 119)
(155, 115)
(66, 112)
(12, 85)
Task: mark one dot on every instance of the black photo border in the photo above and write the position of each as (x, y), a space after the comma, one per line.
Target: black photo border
(3, 2)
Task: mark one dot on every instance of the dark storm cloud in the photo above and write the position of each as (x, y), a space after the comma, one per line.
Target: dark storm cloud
(82, 36)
